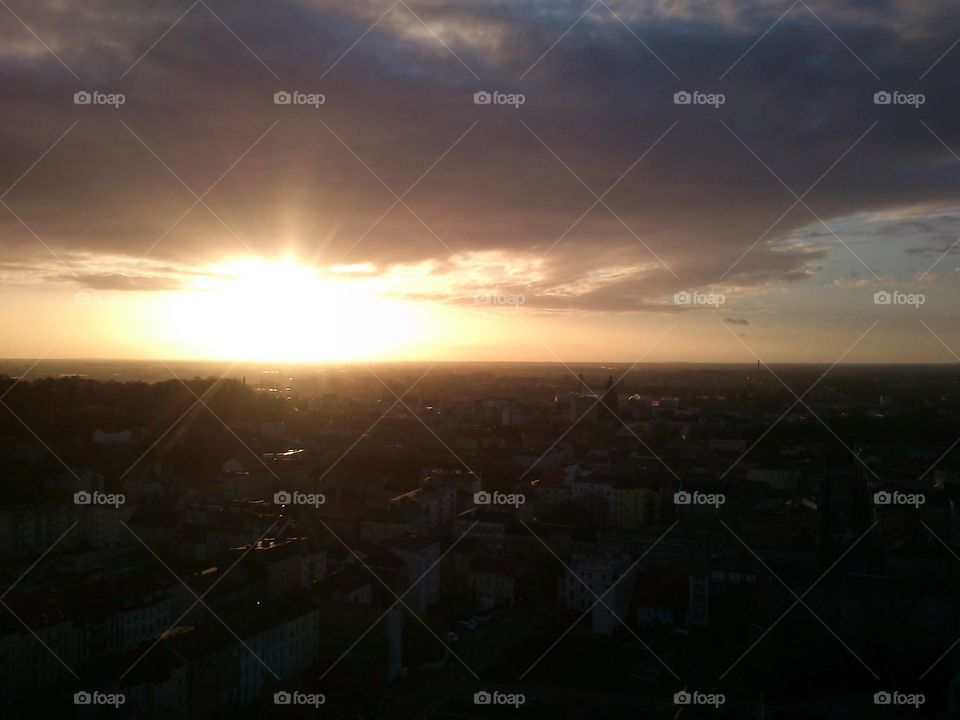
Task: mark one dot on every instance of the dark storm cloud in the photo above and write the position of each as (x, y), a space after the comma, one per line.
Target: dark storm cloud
(399, 100)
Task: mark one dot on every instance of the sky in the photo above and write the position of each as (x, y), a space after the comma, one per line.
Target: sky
(801, 207)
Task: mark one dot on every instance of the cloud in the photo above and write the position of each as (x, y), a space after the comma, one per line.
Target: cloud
(690, 208)
(141, 283)
(855, 279)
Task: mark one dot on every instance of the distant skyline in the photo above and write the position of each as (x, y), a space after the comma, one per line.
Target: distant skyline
(312, 181)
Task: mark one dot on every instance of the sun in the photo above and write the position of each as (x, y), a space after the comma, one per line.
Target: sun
(257, 309)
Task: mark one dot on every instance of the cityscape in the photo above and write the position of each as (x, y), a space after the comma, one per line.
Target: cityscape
(461, 541)
(433, 360)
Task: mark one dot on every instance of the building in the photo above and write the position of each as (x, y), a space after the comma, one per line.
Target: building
(707, 588)
(455, 567)
(102, 525)
(245, 484)
(603, 577)
(583, 405)
(775, 478)
(728, 444)
(313, 565)
(634, 503)
(462, 480)
(494, 578)
(553, 488)
(438, 502)
(420, 554)
(595, 494)
(29, 530)
(660, 599)
(281, 563)
(349, 584)
(112, 618)
(400, 517)
(281, 637)
(156, 523)
(547, 459)
(483, 525)
(24, 665)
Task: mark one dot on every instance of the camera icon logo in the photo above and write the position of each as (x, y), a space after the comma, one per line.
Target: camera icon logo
(82, 498)
(282, 98)
(882, 698)
(682, 98)
(882, 498)
(882, 97)
(682, 298)
(482, 698)
(682, 698)
(482, 98)
(82, 698)
(282, 698)
(482, 498)
(82, 98)
(682, 497)
(882, 297)
(282, 498)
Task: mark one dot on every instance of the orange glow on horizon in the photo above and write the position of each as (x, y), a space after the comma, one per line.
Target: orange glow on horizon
(254, 309)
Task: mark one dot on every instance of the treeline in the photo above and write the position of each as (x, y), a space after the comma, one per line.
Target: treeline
(53, 420)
